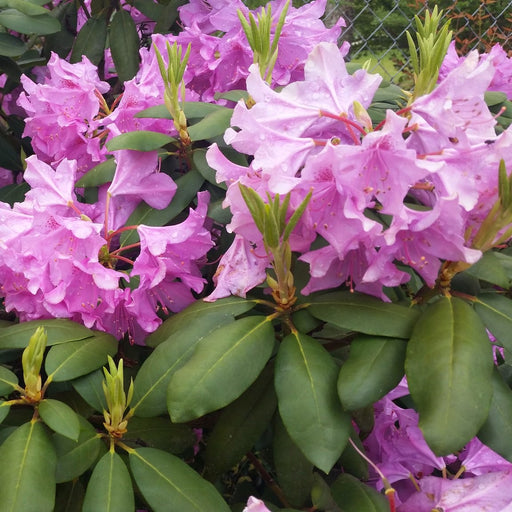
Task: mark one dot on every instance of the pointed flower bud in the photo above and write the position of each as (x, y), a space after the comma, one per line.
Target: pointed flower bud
(258, 35)
(117, 401)
(31, 360)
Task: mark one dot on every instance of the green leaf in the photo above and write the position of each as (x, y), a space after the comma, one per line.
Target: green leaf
(8, 381)
(90, 41)
(363, 313)
(192, 109)
(212, 125)
(90, 388)
(28, 8)
(163, 479)
(188, 186)
(496, 432)
(240, 425)
(212, 315)
(181, 336)
(160, 433)
(448, 366)
(27, 471)
(200, 163)
(76, 358)
(305, 383)
(99, 174)
(124, 45)
(294, 471)
(495, 311)
(14, 193)
(224, 364)
(351, 461)
(140, 140)
(374, 367)
(60, 418)
(70, 497)
(149, 8)
(58, 331)
(352, 495)
(110, 486)
(41, 24)
(74, 458)
(4, 410)
(493, 267)
(11, 46)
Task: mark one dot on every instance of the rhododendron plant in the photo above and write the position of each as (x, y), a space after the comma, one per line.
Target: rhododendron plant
(296, 275)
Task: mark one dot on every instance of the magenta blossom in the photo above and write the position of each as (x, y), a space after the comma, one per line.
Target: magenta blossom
(63, 113)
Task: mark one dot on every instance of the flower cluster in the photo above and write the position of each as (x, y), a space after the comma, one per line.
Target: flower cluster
(414, 189)
(60, 260)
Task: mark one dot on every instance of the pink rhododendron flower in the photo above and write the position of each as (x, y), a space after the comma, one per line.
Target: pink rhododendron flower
(63, 112)
(58, 263)
(255, 505)
(485, 493)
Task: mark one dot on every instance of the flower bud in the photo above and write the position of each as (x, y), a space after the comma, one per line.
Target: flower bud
(31, 360)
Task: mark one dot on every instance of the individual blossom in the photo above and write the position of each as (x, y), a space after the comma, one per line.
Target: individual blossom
(62, 113)
(168, 266)
(255, 505)
(490, 491)
(455, 112)
(502, 63)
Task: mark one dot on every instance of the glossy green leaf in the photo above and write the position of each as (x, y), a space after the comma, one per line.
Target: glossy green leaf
(321, 495)
(76, 358)
(201, 165)
(149, 8)
(212, 315)
(11, 46)
(152, 380)
(495, 311)
(188, 186)
(351, 461)
(240, 425)
(305, 383)
(13, 193)
(76, 457)
(294, 471)
(28, 8)
(496, 432)
(212, 125)
(224, 364)
(494, 268)
(160, 433)
(99, 174)
(363, 313)
(448, 366)
(141, 140)
(168, 16)
(61, 42)
(374, 367)
(90, 41)
(58, 331)
(59, 417)
(192, 109)
(4, 410)
(110, 486)
(175, 342)
(90, 388)
(70, 497)
(164, 479)
(124, 45)
(8, 381)
(40, 24)
(352, 495)
(27, 471)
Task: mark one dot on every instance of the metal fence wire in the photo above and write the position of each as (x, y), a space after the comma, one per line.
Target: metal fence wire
(377, 29)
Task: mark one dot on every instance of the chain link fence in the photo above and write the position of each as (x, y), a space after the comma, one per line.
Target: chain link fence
(377, 29)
